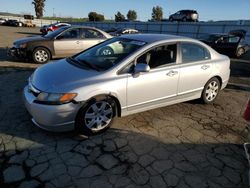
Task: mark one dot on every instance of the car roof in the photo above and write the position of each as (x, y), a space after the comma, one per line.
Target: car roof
(151, 38)
(79, 26)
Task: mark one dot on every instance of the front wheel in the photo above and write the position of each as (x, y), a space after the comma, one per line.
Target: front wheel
(96, 116)
(210, 91)
(41, 55)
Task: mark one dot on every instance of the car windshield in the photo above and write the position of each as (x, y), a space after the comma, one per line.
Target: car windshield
(55, 33)
(107, 54)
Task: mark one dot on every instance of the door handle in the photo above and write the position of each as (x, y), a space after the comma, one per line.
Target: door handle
(204, 67)
(77, 42)
(172, 73)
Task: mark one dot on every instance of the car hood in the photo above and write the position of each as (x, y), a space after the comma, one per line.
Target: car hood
(61, 76)
(30, 39)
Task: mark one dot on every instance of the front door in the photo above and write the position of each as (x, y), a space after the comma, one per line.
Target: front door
(159, 84)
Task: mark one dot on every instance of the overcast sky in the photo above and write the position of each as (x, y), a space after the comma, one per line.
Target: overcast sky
(208, 9)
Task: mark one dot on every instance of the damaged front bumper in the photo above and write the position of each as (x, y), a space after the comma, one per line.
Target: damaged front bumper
(17, 52)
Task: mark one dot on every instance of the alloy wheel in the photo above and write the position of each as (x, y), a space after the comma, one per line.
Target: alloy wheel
(212, 91)
(41, 56)
(98, 116)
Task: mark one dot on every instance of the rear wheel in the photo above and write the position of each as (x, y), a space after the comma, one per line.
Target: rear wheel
(240, 52)
(171, 19)
(210, 91)
(41, 55)
(96, 117)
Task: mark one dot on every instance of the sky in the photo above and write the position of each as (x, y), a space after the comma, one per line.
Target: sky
(207, 9)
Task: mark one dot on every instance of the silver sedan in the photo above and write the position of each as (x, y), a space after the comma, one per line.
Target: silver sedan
(122, 76)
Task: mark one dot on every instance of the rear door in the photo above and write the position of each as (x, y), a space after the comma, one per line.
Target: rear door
(68, 43)
(90, 37)
(195, 68)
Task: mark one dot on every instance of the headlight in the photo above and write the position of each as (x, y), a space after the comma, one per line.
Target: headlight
(24, 45)
(55, 98)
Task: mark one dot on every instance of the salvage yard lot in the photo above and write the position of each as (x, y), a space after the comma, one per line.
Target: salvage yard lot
(183, 145)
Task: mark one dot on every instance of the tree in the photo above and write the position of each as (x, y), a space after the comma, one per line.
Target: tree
(95, 17)
(119, 17)
(39, 7)
(157, 13)
(132, 15)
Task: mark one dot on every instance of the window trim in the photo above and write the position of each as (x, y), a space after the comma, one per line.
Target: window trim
(67, 31)
(194, 43)
(134, 61)
(82, 30)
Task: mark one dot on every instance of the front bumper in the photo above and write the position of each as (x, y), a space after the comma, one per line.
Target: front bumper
(17, 52)
(56, 118)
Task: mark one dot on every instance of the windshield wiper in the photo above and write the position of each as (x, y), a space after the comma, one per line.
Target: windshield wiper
(83, 62)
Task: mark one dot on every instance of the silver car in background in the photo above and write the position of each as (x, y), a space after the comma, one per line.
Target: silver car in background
(122, 76)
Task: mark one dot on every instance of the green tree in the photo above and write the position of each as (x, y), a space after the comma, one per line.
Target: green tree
(119, 17)
(95, 17)
(157, 13)
(39, 7)
(132, 15)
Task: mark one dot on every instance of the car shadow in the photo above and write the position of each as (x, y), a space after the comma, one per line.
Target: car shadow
(119, 156)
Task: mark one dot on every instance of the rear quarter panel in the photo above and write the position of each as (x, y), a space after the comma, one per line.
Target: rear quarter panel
(221, 68)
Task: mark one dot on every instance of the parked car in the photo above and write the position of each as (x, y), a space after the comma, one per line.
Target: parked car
(14, 23)
(63, 42)
(185, 15)
(231, 44)
(2, 21)
(86, 91)
(123, 31)
(52, 27)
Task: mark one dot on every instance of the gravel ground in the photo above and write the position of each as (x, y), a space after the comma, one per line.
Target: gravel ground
(185, 145)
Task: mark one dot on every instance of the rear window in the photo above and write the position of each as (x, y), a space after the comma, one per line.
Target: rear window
(193, 52)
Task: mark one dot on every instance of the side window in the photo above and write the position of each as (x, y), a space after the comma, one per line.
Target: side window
(193, 52)
(159, 56)
(233, 39)
(70, 34)
(91, 34)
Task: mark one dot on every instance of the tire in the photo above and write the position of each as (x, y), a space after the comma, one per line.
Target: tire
(210, 91)
(171, 19)
(184, 19)
(106, 51)
(91, 118)
(41, 55)
(240, 52)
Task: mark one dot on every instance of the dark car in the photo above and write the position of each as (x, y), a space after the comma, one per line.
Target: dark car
(231, 44)
(185, 15)
(14, 23)
(61, 43)
(123, 31)
(52, 27)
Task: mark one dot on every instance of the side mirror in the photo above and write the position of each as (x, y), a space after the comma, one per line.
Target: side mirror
(141, 67)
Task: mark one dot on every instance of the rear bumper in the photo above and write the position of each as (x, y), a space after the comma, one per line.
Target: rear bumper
(56, 118)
